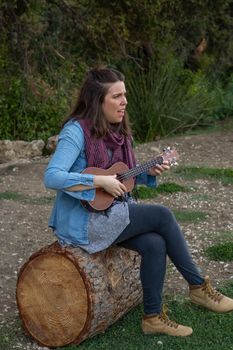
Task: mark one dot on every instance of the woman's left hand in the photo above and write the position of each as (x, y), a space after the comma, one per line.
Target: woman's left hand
(159, 169)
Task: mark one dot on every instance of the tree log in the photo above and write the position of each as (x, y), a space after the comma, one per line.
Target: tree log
(65, 295)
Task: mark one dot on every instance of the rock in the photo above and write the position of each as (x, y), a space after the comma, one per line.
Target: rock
(12, 150)
(52, 143)
(155, 149)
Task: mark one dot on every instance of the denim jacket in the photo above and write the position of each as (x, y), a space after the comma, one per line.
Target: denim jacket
(69, 218)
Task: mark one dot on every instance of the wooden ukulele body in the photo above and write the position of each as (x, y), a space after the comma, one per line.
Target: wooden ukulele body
(103, 199)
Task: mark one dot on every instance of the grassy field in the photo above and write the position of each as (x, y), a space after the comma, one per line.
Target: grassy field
(19, 197)
(190, 173)
(210, 331)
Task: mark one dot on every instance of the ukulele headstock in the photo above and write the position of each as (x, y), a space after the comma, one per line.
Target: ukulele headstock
(171, 155)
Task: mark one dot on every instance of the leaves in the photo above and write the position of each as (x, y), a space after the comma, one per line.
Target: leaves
(47, 46)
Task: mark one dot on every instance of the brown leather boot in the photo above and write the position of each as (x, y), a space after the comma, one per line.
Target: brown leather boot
(155, 324)
(208, 297)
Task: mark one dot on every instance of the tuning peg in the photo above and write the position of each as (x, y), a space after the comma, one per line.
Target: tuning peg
(173, 162)
(167, 149)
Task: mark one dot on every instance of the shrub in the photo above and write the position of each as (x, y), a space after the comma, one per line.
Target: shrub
(33, 107)
(27, 116)
(51, 43)
(223, 95)
(166, 99)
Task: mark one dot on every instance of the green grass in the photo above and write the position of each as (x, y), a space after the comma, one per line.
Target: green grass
(220, 236)
(16, 196)
(189, 215)
(8, 337)
(190, 173)
(222, 252)
(4, 337)
(211, 331)
(170, 187)
(41, 200)
(223, 236)
(201, 197)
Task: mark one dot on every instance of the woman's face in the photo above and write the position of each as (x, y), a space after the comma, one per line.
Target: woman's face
(115, 102)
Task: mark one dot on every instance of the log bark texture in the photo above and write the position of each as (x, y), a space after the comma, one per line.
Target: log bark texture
(65, 295)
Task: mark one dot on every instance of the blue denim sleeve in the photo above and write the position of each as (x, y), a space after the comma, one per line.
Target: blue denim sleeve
(58, 175)
(146, 179)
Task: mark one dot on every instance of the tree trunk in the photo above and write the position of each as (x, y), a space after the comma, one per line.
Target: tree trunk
(65, 295)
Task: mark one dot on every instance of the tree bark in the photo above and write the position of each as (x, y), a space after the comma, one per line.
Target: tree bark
(65, 295)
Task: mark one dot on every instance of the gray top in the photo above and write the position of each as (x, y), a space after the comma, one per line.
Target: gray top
(105, 227)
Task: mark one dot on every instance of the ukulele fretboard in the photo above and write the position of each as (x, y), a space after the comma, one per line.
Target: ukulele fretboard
(139, 169)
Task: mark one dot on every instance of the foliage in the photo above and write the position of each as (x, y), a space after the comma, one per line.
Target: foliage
(28, 116)
(222, 252)
(223, 97)
(47, 46)
(166, 99)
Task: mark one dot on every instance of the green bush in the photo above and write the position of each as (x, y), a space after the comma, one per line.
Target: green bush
(27, 116)
(34, 107)
(223, 96)
(46, 47)
(166, 98)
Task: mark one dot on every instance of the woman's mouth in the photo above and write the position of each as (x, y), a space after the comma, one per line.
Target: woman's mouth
(121, 112)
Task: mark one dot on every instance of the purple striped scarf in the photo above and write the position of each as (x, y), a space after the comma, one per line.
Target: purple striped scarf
(96, 150)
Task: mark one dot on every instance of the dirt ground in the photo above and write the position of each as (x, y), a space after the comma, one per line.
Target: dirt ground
(23, 220)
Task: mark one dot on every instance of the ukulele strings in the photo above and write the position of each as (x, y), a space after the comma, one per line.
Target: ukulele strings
(138, 170)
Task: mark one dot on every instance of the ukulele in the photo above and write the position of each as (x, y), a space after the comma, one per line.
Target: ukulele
(103, 200)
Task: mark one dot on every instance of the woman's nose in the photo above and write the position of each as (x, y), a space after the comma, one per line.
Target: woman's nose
(124, 101)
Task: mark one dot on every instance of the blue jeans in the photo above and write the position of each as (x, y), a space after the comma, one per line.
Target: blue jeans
(154, 233)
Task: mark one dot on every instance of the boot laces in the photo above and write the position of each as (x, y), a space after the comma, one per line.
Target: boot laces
(164, 318)
(211, 292)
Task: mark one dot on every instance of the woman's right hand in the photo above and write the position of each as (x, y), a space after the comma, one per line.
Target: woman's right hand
(110, 184)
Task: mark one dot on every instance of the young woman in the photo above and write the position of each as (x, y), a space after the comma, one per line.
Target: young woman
(97, 134)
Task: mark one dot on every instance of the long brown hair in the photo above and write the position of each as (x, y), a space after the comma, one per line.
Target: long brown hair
(91, 97)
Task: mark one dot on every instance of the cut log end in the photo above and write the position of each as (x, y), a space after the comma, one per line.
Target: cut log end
(65, 295)
(53, 299)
